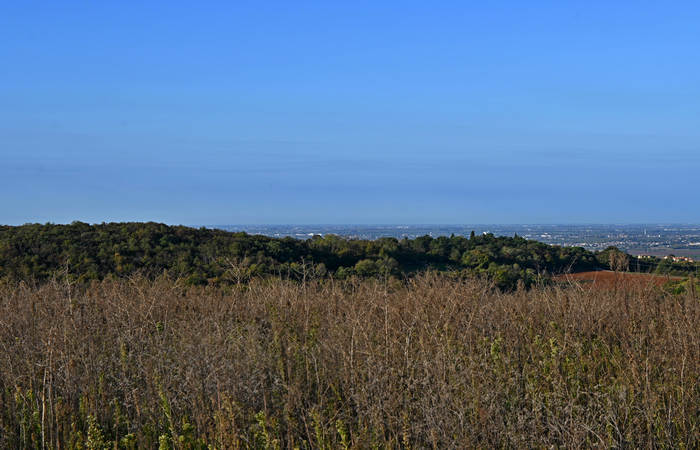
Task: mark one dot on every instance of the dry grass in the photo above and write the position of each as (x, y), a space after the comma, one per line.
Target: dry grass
(427, 363)
(608, 279)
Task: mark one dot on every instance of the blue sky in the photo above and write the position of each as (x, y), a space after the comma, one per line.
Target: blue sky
(350, 112)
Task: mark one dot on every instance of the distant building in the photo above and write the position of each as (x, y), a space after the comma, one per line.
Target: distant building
(679, 258)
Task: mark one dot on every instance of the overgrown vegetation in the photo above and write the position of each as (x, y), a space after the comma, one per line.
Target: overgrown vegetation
(203, 256)
(142, 335)
(429, 362)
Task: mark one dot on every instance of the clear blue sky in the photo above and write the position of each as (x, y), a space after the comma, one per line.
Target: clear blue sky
(350, 112)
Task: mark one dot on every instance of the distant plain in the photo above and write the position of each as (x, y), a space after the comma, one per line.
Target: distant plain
(636, 239)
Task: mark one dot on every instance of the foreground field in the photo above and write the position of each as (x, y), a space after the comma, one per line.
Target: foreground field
(430, 362)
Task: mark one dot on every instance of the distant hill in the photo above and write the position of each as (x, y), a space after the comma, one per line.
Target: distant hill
(83, 252)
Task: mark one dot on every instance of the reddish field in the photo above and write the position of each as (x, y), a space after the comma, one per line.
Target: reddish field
(610, 279)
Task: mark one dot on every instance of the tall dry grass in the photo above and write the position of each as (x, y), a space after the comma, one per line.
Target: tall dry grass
(431, 362)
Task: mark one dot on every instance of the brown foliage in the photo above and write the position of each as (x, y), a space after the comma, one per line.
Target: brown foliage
(430, 362)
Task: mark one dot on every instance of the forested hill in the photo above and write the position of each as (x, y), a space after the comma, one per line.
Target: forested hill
(80, 251)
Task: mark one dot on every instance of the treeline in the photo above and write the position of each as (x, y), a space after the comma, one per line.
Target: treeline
(85, 252)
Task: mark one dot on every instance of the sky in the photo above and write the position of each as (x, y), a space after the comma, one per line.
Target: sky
(356, 112)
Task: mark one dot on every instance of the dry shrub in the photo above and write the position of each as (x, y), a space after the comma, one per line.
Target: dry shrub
(429, 362)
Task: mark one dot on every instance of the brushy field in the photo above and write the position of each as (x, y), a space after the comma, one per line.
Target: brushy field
(431, 362)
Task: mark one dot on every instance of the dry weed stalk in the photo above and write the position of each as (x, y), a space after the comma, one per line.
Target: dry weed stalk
(429, 362)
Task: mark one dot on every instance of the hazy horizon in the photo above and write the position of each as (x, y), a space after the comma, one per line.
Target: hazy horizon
(349, 113)
(358, 224)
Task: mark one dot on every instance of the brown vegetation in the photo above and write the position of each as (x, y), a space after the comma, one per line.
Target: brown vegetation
(431, 362)
(608, 279)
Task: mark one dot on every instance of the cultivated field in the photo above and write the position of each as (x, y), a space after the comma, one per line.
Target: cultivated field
(430, 362)
(608, 279)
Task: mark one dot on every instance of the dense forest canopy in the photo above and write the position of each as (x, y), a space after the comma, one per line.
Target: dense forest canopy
(84, 252)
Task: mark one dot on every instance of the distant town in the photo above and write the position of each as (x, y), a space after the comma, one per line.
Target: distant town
(672, 241)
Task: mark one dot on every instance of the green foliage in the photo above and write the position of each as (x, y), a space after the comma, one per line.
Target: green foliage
(686, 286)
(95, 438)
(367, 268)
(80, 253)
